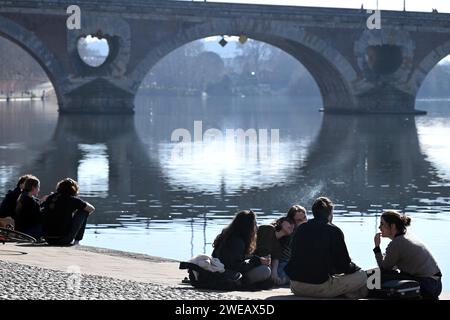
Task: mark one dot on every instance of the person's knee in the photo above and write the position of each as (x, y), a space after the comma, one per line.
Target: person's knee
(264, 272)
(82, 214)
(267, 272)
(258, 274)
(360, 278)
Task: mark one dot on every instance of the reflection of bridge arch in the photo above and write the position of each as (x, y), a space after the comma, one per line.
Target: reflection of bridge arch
(127, 159)
(369, 160)
(351, 160)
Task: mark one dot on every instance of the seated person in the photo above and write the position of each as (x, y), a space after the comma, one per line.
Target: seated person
(8, 205)
(234, 247)
(408, 255)
(28, 218)
(320, 265)
(296, 213)
(65, 215)
(268, 242)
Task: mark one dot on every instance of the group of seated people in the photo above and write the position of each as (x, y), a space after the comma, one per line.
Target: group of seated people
(311, 255)
(59, 218)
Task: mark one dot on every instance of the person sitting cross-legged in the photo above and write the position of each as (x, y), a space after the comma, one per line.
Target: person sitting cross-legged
(406, 254)
(320, 266)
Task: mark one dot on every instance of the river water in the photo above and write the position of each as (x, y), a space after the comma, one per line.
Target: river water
(154, 197)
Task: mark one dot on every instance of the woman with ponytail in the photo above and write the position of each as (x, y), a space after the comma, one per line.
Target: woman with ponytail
(407, 254)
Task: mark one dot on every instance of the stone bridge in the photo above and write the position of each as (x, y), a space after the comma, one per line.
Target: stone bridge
(356, 69)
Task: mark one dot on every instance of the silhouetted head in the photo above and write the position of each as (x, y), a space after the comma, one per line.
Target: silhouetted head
(297, 214)
(393, 223)
(322, 208)
(21, 181)
(67, 187)
(31, 185)
(243, 226)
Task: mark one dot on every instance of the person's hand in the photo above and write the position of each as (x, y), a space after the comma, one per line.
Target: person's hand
(276, 279)
(377, 239)
(265, 261)
(44, 198)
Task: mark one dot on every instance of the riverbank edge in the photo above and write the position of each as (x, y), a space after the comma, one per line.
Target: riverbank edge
(124, 254)
(124, 265)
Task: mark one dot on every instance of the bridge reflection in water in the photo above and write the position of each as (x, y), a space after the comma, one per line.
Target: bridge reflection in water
(359, 161)
(147, 203)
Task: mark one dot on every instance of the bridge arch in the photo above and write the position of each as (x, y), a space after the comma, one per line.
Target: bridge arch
(36, 49)
(428, 64)
(331, 71)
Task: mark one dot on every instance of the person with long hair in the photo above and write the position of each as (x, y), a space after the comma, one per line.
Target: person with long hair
(65, 214)
(406, 258)
(297, 213)
(268, 242)
(235, 245)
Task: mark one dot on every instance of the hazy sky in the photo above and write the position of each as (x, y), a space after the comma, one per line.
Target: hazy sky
(411, 5)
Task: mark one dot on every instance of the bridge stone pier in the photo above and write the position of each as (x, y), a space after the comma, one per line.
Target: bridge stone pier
(357, 70)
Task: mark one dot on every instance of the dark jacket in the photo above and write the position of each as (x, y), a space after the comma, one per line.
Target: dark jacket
(28, 212)
(8, 206)
(232, 254)
(267, 242)
(318, 251)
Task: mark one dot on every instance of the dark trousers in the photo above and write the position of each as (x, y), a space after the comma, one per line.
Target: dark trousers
(430, 288)
(76, 230)
(34, 231)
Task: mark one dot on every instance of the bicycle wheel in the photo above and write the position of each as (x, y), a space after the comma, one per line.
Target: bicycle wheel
(7, 235)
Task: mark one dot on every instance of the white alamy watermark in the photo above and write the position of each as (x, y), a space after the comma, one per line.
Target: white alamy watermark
(73, 282)
(261, 145)
(374, 20)
(73, 22)
(374, 279)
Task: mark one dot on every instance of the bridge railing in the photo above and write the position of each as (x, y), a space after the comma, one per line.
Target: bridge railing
(193, 8)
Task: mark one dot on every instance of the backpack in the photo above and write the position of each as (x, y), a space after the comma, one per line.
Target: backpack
(398, 289)
(203, 279)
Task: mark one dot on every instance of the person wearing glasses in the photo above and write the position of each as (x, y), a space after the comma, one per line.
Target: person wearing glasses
(235, 247)
(406, 258)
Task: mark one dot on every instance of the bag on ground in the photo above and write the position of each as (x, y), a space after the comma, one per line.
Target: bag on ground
(204, 279)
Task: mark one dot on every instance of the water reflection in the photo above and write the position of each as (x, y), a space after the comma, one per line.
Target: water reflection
(93, 170)
(109, 161)
(367, 160)
(361, 162)
(149, 203)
